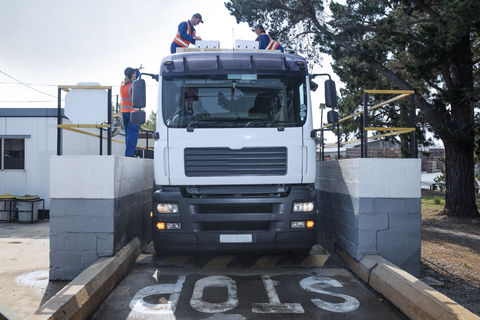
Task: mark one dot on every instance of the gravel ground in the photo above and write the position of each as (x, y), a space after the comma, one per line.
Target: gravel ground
(451, 255)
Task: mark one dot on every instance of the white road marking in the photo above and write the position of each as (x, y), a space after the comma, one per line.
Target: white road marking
(275, 306)
(311, 284)
(138, 303)
(214, 281)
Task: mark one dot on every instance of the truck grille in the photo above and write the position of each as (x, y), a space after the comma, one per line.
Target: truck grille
(236, 226)
(215, 162)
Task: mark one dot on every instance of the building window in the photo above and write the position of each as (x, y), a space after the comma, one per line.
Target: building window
(13, 153)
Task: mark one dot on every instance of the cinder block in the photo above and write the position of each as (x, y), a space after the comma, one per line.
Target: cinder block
(365, 205)
(105, 244)
(413, 206)
(372, 222)
(64, 259)
(390, 205)
(405, 223)
(57, 241)
(80, 241)
(88, 258)
(76, 223)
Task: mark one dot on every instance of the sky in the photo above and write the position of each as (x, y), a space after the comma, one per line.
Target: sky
(47, 43)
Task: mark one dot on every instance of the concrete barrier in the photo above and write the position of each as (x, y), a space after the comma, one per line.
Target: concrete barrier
(98, 204)
(84, 294)
(371, 207)
(414, 298)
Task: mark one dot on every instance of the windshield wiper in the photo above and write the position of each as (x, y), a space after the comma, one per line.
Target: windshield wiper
(258, 122)
(193, 124)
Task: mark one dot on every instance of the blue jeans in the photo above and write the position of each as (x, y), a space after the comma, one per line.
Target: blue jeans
(131, 135)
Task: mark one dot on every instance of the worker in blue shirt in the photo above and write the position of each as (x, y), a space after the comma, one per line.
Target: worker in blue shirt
(266, 43)
(186, 33)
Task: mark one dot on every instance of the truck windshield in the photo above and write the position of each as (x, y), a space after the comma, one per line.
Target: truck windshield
(234, 101)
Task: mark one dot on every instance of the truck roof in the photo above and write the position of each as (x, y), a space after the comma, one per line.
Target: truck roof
(227, 62)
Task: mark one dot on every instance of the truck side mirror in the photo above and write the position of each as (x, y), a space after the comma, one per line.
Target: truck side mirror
(137, 117)
(332, 117)
(139, 94)
(330, 94)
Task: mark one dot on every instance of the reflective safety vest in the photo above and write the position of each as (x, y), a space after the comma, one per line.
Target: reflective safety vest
(126, 97)
(182, 42)
(272, 44)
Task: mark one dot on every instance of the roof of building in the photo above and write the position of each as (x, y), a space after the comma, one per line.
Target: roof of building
(31, 112)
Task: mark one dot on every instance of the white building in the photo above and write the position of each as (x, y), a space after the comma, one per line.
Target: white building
(28, 137)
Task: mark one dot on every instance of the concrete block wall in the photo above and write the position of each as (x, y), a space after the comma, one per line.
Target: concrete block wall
(98, 204)
(371, 206)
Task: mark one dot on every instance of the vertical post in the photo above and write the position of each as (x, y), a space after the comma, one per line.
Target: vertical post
(412, 115)
(101, 141)
(59, 121)
(116, 105)
(109, 143)
(338, 140)
(146, 133)
(322, 143)
(365, 124)
(323, 147)
(361, 135)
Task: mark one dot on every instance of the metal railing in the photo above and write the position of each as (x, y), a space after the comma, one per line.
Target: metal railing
(364, 129)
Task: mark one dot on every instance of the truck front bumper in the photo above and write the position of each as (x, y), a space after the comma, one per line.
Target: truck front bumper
(235, 223)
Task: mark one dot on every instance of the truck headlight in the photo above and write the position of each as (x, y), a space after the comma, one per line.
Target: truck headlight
(167, 208)
(303, 206)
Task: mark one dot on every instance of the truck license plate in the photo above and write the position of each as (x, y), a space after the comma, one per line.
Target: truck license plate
(236, 238)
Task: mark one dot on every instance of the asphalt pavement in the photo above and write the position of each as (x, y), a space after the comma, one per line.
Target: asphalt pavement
(24, 252)
(26, 292)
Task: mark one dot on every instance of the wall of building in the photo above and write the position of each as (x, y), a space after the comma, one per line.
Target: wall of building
(371, 206)
(98, 204)
(39, 127)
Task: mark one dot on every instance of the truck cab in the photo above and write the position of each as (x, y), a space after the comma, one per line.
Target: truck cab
(234, 154)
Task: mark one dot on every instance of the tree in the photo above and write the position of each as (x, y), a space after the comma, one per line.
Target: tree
(423, 45)
(397, 114)
(151, 122)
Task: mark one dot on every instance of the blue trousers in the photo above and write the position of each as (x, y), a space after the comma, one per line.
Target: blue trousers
(131, 135)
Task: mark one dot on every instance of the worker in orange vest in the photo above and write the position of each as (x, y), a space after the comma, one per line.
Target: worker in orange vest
(131, 130)
(186, 33)
(266, 42)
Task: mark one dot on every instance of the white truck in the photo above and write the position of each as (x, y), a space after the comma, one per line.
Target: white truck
(235, 153)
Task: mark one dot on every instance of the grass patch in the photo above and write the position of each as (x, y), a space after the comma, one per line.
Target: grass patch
(436, 201)
(433, 203)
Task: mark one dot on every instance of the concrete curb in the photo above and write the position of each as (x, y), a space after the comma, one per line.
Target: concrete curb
(84, 294)
(408, 294)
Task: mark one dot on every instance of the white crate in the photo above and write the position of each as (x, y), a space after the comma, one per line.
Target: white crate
(207, 44)
(246, 44)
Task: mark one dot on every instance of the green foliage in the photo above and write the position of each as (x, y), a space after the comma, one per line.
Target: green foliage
(432, 47)
(151, 122)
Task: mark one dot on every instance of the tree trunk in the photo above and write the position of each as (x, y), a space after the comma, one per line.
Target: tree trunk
(460, 189)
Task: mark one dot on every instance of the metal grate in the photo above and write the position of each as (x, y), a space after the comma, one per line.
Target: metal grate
(236, 226)
(234, 208)
(214, 162)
